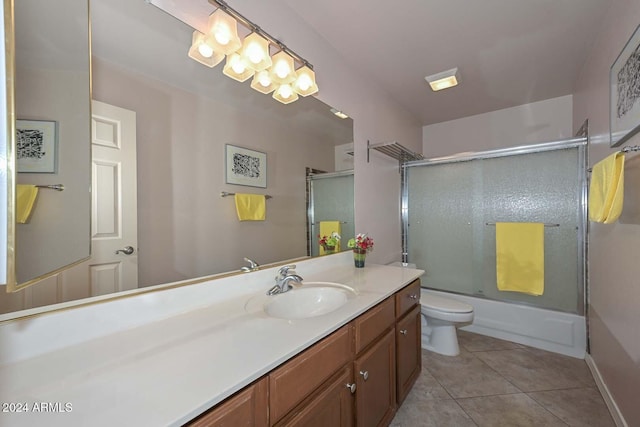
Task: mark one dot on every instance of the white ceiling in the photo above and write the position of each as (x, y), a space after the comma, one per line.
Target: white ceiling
(509, 52)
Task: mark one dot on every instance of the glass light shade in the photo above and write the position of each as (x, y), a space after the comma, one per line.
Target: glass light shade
(255, 50)
(223, 30)
(201, 50)
(285, 94)
(262, 82)
(282, 70)
(236, 68)
(305, 83)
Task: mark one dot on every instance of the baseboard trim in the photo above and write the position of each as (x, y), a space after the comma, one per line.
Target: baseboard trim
(604, 391)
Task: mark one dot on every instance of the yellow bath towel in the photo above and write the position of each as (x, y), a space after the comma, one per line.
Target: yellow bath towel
(606, 191)
(251, 207)
(326, 228)
(520, 257)
(25, 199)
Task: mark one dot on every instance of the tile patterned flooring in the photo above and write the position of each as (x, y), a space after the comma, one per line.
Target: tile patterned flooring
(497, 383)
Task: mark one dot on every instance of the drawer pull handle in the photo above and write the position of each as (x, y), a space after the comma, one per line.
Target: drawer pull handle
(365, 375)
(403, 331)
(351, 387)
(413, 296)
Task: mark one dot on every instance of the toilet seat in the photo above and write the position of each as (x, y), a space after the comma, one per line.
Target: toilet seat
(444, 305)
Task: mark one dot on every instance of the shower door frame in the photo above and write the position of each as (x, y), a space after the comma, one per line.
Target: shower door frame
(580, 143)
(314, 175)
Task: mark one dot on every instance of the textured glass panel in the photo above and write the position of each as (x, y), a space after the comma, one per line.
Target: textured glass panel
(440, 234)
(450, 204)
(333, 201)
(536, 187)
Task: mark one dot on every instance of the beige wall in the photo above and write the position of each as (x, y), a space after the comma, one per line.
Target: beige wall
(614, 309)
(543, 121)
(376, 118)
(185, 229)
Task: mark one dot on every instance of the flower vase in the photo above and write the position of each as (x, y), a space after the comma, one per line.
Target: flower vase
(329, 249)
(359, 255)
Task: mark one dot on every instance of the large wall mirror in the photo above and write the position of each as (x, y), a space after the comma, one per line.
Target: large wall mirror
(160, 126)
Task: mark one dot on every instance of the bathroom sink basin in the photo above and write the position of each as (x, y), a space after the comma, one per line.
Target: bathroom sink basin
(311, 299)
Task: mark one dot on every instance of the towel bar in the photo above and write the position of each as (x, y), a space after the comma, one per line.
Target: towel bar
(226, 193)
(546, 225)
(631, 148)
(57, 187)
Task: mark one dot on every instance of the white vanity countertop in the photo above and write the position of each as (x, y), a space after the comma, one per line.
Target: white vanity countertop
(194, 346)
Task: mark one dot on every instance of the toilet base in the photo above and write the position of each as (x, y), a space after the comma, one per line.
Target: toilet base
(441, 339)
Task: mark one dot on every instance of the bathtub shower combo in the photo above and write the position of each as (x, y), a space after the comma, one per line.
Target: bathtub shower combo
(450, 206)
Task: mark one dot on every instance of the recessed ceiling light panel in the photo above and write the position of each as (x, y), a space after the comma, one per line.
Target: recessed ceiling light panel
(443, 80)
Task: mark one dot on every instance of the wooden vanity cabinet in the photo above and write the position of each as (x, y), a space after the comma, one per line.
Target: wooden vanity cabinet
(375, 365)
(248, 407)
(408, 352)
(358, 375)
(375, 371)
(408, 339)
(300, 377)
(332, 405)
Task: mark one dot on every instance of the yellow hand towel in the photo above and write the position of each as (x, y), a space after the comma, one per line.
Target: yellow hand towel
(251, 207)
(606, 191)
(520, 257)
(25, 198)
(328, 227)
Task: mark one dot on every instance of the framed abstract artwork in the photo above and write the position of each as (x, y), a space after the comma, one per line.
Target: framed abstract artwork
(36, 148)
(624, 81)
(245, 167)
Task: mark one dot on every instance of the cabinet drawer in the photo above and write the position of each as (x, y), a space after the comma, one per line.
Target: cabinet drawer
(373, 323)
(299, 377)
(247, 408)
(407, 298)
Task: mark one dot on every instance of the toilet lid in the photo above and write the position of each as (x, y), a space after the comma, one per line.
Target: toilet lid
(436, 302)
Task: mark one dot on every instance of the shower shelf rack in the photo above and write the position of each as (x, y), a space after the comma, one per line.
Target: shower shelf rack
(395, 151)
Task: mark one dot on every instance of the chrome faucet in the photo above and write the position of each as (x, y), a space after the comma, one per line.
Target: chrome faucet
(285, 276)
(253, 266)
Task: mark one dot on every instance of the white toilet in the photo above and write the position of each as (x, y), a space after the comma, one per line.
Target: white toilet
(440, 318)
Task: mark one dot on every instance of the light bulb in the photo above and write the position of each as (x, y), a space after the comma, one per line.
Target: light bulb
(263, 79)
(205, 50)
(304, 82)
(286, 91)
(255, 53)
(222, 35)
(282, 69)
(238, 66)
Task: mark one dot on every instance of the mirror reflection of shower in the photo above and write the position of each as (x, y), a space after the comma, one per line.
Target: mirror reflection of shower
(329, 206)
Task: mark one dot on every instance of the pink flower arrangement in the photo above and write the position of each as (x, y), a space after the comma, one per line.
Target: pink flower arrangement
(362, 242)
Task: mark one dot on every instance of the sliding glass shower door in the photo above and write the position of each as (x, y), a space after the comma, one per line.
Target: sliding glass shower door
(452, 208)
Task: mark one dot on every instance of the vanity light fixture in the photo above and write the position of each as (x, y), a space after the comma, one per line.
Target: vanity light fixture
(305, 83)
(202, 51)
(339, 113)
(223, 29)
(236, 68)
(286, 73)
(285, 94)
(262, 82)
(255, 51)
(443, 80)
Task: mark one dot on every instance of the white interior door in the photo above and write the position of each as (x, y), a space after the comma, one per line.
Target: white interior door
(114, 228)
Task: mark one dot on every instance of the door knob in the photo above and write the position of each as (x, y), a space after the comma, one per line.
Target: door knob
(128, 250)
(365, 375)
(351, 387)
(403, 331)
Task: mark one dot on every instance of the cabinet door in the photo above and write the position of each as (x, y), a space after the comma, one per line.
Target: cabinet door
(408, 352)
(247, 408)
(332, 406)
(301, 376)
(375, 372)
